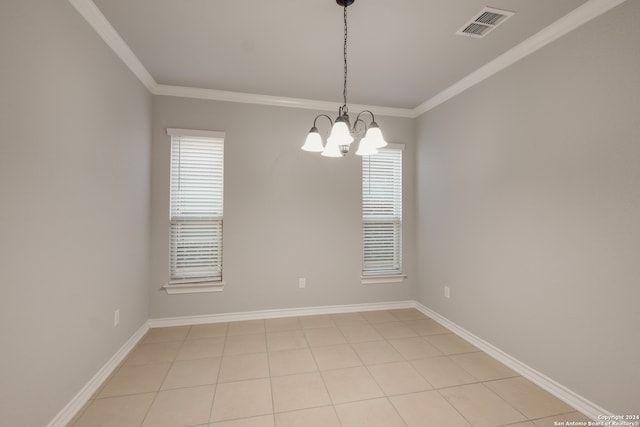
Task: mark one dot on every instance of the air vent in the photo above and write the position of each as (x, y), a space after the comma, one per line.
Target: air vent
(484, 22)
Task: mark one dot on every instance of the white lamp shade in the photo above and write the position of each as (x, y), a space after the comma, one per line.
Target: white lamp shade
(332, 149)
(313, 142)
(366, 147)
(375, 136)
(340, 134)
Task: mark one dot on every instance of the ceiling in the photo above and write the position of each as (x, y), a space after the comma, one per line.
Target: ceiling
(401, 53)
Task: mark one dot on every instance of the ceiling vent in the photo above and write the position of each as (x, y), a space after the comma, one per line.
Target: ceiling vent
(484, 22)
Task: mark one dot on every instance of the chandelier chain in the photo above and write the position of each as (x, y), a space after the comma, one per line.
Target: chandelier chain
(344, 88)
(343, 131)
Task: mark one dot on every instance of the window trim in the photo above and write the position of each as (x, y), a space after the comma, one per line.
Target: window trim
(392, 277)
(176, 286)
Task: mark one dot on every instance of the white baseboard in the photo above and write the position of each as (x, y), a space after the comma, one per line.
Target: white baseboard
(272, 314)
(75, 405)
(572, 399)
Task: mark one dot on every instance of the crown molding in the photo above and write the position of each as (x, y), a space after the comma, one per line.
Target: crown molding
(99, 23)
(579, 16)
(277, 101)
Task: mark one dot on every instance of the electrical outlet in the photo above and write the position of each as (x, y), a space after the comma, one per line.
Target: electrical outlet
(116, 317)
(302, 282)
(447, 294)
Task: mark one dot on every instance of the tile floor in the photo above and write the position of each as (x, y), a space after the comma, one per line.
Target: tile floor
(382, 368)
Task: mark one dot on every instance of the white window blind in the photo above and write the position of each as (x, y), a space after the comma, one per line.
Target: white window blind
(197, 160)
(382, 212)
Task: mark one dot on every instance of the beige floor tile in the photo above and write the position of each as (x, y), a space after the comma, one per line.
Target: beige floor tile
(191, 373)
(126, 411)
(135, 379)
(262, 421)
(360, 332)
(301, 391)
(242, 399)
(351, 384)
(391, 330)
(342, 319)
(335, 357)
(480, 406)
(450, 344)
(316, 321)
(246, 327)
(442, 372)
(414, 348)
(376, 352)
(407, 314)
(143, 354)
(417, 373)
(528, 398)
(324, 336)
(369, 413)
(563, 419)
(242, 344)
(482, 366)
(426, 327)
(208, 330)
(379, 316)
(282, 324)
(314, 417)
(201, 348)
(243, 367)
(286, 340)
(173, 333)
(398, 378)
(290, 362)
(182, 407)
(427, 408)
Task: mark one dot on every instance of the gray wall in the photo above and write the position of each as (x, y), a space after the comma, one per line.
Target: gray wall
(74, 221)
(529, 207)
(287, 213)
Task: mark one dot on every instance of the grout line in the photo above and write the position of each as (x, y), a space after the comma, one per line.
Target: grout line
(273, 403)
(215, 389)
(384, 393)
(453, 406)
(157, 392)
(324, 383)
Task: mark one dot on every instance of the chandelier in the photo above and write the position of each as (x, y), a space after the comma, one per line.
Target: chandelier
(342, 132)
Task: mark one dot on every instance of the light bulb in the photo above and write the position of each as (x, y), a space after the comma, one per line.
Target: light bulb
(366, 147)
(375, 135)
(340, 133)
(332, 149)
(313, 142)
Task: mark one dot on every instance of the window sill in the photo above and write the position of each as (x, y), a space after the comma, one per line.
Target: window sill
(194, 288)
(374, 280)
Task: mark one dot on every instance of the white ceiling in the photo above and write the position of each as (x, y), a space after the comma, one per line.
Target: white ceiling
(401, 53)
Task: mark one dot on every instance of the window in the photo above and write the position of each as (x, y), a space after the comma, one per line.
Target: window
(196, 206)
(382, 214)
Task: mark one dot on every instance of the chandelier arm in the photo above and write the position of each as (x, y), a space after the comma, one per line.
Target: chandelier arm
(373, 118)
(322, 115)
(354, 129)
